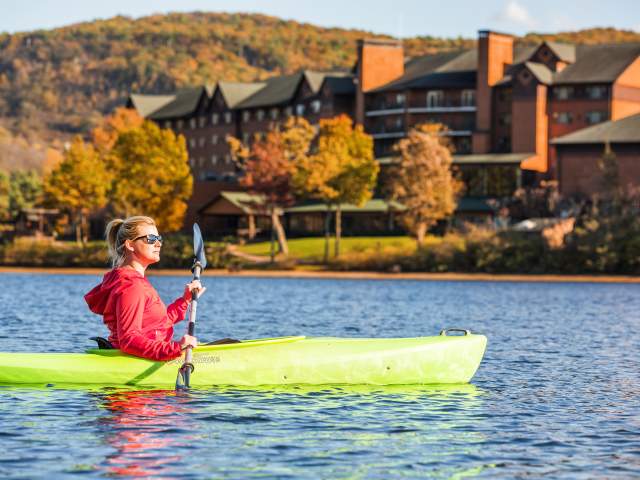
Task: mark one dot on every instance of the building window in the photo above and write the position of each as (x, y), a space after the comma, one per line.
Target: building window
(398, 124)
(245, 137)
(260, 115)
(596, 92)
(400, 99)
(435, 98)
(214, 118)
(202, 141)
(274, 113)
(563, 93)
(227, 158)
(468, 98)
(246, 116)
(595, 117)
(300, 109)
(167, 124)
(564, 117)
(316, 105)
(214, 159)
(202, 121)
(227, 117)
(192, 123)
(214, 139)
(192, 142)
(180, 124)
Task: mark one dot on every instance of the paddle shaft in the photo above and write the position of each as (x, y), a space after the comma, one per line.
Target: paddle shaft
(191, 328)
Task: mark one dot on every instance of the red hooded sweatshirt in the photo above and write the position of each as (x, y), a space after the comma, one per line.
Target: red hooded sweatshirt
(138, 321)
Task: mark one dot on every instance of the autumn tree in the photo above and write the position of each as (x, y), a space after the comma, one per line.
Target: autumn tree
(105, 135)
(423, 181)
(269, 166)
(342, 170)
(79, 185)
(4, 197)
(151, 175)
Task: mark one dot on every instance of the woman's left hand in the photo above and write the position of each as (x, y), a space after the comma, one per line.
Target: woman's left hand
(189, 287)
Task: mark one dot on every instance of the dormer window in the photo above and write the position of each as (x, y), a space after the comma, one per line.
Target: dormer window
(214, 118)
(468, 98)
(316, 105)
(435, 98)
(227, 117)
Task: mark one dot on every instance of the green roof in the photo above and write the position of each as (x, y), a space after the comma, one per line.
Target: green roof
(477, 159)
(625, 130)
(185, 103)
(243, 200)
(372, 206)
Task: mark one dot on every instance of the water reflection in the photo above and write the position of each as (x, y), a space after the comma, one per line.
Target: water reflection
(141, 428)
(361, 428)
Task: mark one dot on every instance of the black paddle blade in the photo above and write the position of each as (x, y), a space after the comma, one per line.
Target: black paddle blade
(198, 246)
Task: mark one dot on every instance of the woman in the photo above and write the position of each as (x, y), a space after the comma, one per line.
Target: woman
(138, 321)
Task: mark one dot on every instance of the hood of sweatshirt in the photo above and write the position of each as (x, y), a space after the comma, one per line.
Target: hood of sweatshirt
(113, 281)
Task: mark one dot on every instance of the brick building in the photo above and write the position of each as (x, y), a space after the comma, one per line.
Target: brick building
(503, 105)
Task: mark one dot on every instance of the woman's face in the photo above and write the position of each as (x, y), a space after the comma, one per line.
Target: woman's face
(145, 252)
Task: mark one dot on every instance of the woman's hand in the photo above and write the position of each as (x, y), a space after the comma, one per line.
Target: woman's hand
(189, 287)
(188, 341)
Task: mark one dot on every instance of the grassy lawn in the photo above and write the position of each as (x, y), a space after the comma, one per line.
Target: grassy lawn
(313, 247)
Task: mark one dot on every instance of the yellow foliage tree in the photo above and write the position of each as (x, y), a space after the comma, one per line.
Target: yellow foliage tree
(122, 120)
(422, 180)
(78, 184)
(151, 175)
(342, 170)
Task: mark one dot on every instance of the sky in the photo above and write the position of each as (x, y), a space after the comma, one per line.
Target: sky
(400, 18)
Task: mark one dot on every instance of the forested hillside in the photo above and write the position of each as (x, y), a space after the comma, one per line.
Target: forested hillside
(56, 83)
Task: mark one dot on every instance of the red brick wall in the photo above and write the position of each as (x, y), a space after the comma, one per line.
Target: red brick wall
(578, 171)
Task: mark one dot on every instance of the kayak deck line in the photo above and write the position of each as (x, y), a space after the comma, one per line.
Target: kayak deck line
(438, 359)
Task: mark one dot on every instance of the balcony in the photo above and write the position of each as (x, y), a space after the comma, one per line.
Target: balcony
(445, 108)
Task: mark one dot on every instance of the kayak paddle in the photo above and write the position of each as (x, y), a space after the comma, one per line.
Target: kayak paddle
(199, 264)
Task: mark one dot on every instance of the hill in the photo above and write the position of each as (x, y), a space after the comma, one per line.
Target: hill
(59, 82)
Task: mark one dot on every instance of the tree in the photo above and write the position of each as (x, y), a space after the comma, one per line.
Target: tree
(4, 197)
(342, 170)
(122, 120)
(25, 190)
(151, 175)
(79, 185)
(269, 166)
(422, 180)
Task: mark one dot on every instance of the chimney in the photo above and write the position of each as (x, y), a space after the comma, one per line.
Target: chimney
(379, 62)
(495, 54)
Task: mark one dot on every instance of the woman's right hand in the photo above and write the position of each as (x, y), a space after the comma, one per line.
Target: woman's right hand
(188, 341)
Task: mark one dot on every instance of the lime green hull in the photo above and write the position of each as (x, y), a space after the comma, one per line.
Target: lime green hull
(278, 361)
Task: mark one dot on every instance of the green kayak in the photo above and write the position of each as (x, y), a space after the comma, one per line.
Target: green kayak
(443, 359)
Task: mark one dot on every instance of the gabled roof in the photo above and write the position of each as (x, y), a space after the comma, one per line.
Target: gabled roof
(541, 72)
(375, 205)
(245, 202)
(278, 90)
(598, 63)
(564, 51)
(183, 104)
(145, 105)
(236, 92)
(625, 130)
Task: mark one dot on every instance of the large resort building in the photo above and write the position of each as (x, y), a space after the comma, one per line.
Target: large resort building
(514, 114)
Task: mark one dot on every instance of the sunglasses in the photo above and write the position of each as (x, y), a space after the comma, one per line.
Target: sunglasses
(151, 239)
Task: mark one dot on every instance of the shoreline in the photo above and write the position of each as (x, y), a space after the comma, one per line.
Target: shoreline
(353, 275)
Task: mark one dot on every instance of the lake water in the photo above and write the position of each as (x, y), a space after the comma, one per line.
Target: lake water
(556, 394)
